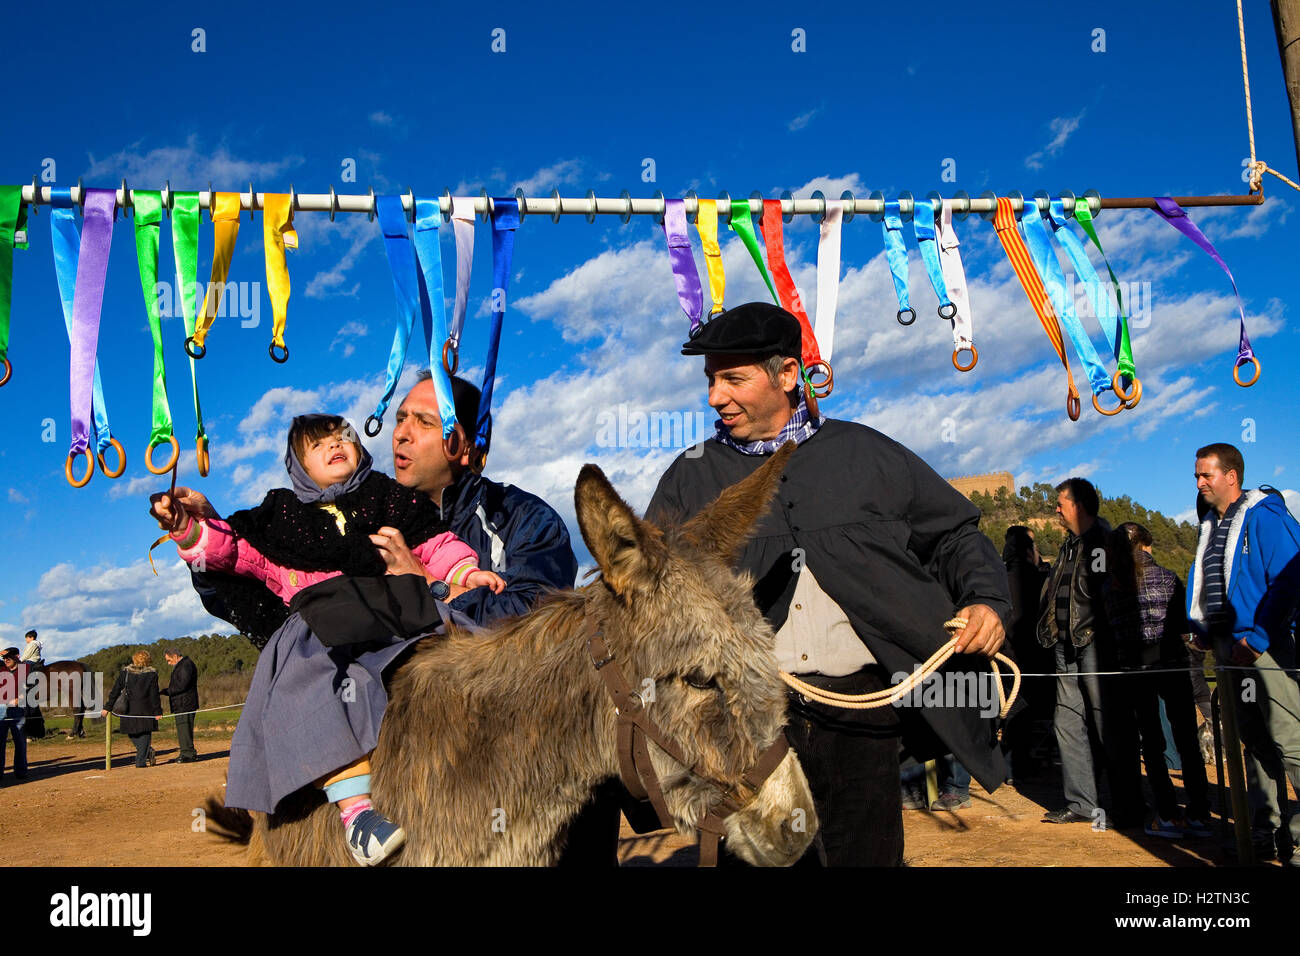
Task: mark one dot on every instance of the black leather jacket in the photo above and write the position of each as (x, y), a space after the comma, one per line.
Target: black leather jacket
(1087, 609)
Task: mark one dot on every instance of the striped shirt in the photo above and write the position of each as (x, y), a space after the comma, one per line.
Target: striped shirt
(1217, 613)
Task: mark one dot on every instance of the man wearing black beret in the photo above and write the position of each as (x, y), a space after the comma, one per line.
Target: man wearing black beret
(863, 556)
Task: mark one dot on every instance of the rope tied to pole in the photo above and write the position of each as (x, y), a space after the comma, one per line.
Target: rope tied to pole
(1257, 167)
(891, 695)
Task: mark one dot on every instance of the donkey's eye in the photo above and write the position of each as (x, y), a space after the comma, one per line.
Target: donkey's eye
(699, 681)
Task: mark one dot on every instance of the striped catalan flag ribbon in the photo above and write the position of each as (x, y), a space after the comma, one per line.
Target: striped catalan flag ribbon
(1004, 221)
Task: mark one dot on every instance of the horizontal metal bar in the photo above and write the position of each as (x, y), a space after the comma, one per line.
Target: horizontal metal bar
(626, 206)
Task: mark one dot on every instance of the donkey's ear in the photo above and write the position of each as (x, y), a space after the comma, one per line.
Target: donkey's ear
(629, 551)
(726, 524)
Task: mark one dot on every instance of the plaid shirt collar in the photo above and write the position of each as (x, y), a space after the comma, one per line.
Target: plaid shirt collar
(798, 429)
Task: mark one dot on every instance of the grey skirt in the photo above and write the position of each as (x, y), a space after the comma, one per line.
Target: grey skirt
(311, 711)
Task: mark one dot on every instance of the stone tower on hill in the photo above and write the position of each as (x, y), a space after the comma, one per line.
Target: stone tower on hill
(986, 484)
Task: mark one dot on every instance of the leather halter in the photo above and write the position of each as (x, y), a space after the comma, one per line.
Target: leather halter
(638, 773)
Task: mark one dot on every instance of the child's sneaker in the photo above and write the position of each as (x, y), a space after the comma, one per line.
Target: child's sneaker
(372, 837)
(1163, 828)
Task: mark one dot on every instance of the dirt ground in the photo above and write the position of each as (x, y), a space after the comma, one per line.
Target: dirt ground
(71, 812)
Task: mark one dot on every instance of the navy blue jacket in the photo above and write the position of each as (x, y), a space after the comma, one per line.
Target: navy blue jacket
(517, 535)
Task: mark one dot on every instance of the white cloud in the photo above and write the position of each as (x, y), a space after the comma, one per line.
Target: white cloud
(17, 497)
(1062, 128)
(380, 118)
(357, 232)
(190, 166)
(803, 119)
(1292, 499)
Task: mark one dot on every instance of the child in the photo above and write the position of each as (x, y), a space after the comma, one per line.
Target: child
(292, 541)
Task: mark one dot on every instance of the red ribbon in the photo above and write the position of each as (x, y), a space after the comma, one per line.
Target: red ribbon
(770, 225)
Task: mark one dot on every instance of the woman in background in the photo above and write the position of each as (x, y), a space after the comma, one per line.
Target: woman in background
(143, 705)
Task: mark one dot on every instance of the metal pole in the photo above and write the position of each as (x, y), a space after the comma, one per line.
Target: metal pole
(626, 206)
(108, 741)
(1286, 23)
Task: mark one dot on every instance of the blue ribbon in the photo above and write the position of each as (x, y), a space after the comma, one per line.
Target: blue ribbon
(406, 283)
(433, 307)
(1107, 317)
(896, 252)
(1039, 241)
(505, 220)
(923, 230)
(66, 239)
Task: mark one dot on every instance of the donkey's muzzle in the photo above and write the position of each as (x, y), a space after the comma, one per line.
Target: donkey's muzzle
(778, 825)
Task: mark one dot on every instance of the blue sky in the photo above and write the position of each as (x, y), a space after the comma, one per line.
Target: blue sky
(716, 96)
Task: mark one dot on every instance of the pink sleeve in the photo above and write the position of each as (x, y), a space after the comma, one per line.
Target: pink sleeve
(447, 557)
(218, 549)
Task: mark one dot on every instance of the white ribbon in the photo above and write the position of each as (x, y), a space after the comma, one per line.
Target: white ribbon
(462, 220)
(828, 278)
(954, 277)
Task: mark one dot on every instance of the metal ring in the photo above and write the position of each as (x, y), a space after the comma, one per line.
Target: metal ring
(212, 203)
(293, 199)
(486, 214)
(974, 358)
(1134, 387)
(379, 426)
(9, 370)
(36, 193)
(591, 205)
(850, 205)
(727, 196)
(820, 197)
(201, 456)
(455, 357)
(90, 468)
(1236, 373)
(270, 349)
(909, 321)
(411, 195)
(877, 196)
(374, 206)
(557, 212)
(692, 197)
(1072, 406)
(1108, 412)
(787, 196)
(905, 198)
(658, 217)
(521, 203)
(951, 315)
(176, 454)
(1066, 198)
(626, 215)
(81, 203)
(121, 459)
(1093, 196)
(334, 202)
(445, 199)
(126, 198)
(202, 349)
(961, 204)
(992, 197)
(167, 197)
(252, 200)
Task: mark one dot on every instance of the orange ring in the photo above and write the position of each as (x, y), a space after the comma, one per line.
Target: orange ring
(148, 457)
(477, 460)
(1236, 377)
(121, 459)
(1073, 406)
(1114, 411)
(1137, 394)
(455, 357)
(974, 357)
(1135, 385)
(828, 384)
(9, 370)
(90, 468)
(201, 455)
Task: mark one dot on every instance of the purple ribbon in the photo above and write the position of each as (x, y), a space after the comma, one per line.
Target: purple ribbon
(685, 275)
(1176, 216)
(98, 213)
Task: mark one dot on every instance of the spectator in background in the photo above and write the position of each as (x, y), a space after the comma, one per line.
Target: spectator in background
(32, 653)
(1026, 572)
(183, 695)
(142, 708)
(32, 657)
(1145, 606)
(13, 715)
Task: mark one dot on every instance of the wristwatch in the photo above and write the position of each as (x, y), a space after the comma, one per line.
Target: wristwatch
(440, 590)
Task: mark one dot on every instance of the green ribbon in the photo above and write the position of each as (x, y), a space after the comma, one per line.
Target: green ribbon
(148, 216)
(185, 245)
(13, 219)
(743, 225)
(1124, 357)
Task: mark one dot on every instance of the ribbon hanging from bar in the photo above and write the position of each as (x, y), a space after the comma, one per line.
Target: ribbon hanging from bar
(277, 234)
(685, 276)
(433, 307)
(406, 286)
(505, 221)
(896, 253)
(954, 280)
(706, 224)
(186, 216)
(1174, 214)
(100, 211)
(1004, 222)
(1118, 334)
(148, 221)
(828, 276)
(927, 242)
(13, 223)
(741, 221)
(462, 221)
(225, 226)
(788, 295)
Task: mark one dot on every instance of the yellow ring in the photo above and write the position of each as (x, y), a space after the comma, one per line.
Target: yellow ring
(148, 457)
(90, 468)
(121, 458)
(974, 358)
(1236, 373)
(9, 370)
(201, 456)
(1137, 394)
(1114, 411)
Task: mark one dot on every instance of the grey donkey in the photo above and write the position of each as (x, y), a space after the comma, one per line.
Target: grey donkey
(493, 741)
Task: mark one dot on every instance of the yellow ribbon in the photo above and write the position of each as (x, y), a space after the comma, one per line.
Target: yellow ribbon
(226, 230)
(706, 222)
(277, 233)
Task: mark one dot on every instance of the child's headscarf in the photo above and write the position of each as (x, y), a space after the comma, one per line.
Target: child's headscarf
(309, 492)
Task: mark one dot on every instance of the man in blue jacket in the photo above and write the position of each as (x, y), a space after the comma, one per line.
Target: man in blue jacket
(1241, 600)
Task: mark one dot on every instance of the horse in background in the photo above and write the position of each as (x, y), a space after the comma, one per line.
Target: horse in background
(64, 686)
